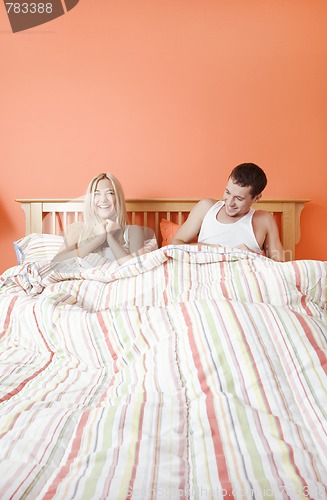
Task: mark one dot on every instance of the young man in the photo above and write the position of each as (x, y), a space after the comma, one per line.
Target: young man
(232, 222)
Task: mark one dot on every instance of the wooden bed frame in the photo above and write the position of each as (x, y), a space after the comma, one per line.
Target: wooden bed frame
(53, 215)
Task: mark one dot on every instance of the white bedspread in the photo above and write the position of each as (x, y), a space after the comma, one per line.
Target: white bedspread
(184, 373)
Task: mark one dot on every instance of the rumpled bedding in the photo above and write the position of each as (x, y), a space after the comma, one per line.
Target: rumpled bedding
(187, 372)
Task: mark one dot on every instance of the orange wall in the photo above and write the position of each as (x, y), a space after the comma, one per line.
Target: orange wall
(169, 95)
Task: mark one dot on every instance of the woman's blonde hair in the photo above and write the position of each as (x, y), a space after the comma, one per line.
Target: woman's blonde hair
(90, 216)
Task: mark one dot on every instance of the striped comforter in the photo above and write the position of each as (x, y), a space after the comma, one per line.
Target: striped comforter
(185, 373)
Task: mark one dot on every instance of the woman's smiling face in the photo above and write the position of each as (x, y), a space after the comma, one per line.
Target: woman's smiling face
(105, 200)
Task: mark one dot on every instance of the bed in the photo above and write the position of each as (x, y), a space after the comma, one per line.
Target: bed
(187, 372)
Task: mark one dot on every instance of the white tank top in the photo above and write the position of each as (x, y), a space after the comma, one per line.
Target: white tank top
(230, 235)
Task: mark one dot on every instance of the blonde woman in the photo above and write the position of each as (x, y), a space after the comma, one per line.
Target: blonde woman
(105, 229)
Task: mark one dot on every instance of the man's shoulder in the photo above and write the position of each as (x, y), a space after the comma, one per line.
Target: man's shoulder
(262, 214)
(262, 217)
(206, 203)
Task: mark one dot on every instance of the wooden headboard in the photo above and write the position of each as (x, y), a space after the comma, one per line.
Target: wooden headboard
(53, 215)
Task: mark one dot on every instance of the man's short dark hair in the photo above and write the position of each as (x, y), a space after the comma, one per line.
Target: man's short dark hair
(249, 174)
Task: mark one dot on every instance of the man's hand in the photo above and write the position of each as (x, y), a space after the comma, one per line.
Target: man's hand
(244, 247)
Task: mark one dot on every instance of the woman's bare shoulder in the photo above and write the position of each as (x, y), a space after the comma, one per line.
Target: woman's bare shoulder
(74, 230)
(134, 229)
(76, 227)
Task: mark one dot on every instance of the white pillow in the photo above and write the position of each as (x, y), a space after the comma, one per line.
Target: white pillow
(36, 247)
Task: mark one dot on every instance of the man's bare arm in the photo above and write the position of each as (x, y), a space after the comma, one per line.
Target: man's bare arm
(191, 227)
(272, 245)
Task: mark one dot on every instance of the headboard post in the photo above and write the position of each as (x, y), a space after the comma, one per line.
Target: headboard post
(288, 230)
(33, 215)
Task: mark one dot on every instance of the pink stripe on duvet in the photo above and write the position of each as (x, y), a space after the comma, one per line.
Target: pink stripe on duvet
(64, 471)
(216, 439)
(8, 315)
(21, 386)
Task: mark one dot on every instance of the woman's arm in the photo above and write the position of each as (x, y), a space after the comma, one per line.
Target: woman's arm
(72, 248)
(136, 243)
